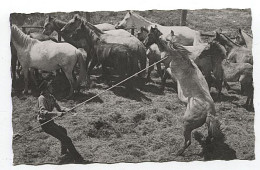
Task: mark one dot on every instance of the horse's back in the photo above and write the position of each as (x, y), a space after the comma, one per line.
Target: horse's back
(105, 27)
(119, 32)
(184, 35)
(241, 55)
(50, 49)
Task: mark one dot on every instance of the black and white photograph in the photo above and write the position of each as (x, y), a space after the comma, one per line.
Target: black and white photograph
(158, 85)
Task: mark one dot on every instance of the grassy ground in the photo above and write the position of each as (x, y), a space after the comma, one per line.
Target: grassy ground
(145, 126)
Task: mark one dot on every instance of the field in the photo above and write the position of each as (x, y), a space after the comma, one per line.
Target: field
(145, 126)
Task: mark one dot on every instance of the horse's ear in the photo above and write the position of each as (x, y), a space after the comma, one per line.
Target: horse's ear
(172, 32)
(50, 18)
(130, 12)
(239, 30)
(217, 34)
(76, 17)
(219, 30)
(155, 26)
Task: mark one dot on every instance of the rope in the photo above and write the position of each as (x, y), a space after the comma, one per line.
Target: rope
(18, 136)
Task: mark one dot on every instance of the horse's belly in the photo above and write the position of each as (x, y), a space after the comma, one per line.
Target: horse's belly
(46, 66)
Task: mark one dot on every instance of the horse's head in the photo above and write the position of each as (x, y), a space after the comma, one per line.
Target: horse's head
(239, 38)
(71, 26)
(142, 34)
(221, 38)
(48, 26)
(127, 22)
(152, 37)
(217, 51)
(171, 37)
(85, 36)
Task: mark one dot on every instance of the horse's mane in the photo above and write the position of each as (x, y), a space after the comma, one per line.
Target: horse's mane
(21, 38)
(92, 27)
(242, 31)
(180, 49)
(144, 29)
(176, 47)
(230, 40)
(57, 21)
(139, 16)
(219, 47)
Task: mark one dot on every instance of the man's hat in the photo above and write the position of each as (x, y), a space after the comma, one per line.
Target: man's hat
(44, 85)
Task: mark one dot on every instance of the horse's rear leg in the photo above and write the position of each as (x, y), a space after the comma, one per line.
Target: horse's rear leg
(25, 73)
(150, 69)
(69, 76)
(187, 137)
(226, 85)
(91, 65)
(13, 67)
(219, 88)
(32, 74)
(159, 69)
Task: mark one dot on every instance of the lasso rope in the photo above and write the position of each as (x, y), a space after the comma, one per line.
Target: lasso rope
(18, 136)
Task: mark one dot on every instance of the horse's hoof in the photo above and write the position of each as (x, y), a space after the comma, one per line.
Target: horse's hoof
(180, 152)
(25, 92)
(162, 89)
(149, 80)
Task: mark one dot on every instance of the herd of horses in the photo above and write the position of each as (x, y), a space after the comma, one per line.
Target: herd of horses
(195, 66)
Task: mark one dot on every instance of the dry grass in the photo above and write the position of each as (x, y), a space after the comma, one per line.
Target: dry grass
(146, 126)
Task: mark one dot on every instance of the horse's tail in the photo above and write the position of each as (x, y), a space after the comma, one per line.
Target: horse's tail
(81, 56)
(214, 130)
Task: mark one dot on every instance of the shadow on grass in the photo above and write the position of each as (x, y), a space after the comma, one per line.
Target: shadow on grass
(215, 150)
(133, 94)
(223, 97)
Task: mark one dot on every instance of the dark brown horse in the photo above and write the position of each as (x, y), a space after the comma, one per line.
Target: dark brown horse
(235, 52)
(117, 56)
(224, 70)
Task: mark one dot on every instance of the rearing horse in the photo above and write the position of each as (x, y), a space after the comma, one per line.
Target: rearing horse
(200, 107)
(47, 56)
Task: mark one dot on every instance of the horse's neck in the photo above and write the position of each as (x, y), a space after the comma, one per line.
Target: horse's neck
(162, 45)
(248, 39)
(58, 25)
(142, 22)
(21, 40)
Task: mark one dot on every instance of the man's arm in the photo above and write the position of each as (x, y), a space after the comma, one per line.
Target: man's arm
(42, 109)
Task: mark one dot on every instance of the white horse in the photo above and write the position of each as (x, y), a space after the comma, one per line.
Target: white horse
(105, 27)
(185, 35)
(47, 56)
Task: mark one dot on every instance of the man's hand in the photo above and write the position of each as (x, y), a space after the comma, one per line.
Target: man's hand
(66, 109)
(60, 114)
